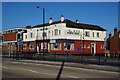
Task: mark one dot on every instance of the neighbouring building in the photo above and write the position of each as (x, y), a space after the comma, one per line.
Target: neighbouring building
(1, 42)
(65, 37)
(114, 43)
(12, 40)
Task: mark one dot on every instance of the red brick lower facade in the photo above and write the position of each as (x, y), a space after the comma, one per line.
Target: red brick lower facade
(65, 47)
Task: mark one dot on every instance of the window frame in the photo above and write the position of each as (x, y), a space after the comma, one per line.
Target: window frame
(98, 35)
(87, 33)
(24, 45)
(53, 46)
(88, 45)
(71, 46)
(56, 31)
(31, 45)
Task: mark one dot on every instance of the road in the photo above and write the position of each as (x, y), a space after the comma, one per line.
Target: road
(13, 69)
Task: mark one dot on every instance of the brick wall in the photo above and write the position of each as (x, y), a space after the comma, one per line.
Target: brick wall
(10, 36)
(115, 43)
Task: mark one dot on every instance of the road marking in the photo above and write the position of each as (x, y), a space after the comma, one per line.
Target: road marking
(69, 67)
(72, 76)
(5, 67)
(36, 64)
(91, 70)
(48, 73)
(33, 71)
(15, 62)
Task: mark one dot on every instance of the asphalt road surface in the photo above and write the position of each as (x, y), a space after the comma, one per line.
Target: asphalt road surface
(13, 69)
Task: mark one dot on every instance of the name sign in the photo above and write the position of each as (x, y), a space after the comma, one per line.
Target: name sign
(74, 32)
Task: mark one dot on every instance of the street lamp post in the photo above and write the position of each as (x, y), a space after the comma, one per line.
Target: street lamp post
(43, 34)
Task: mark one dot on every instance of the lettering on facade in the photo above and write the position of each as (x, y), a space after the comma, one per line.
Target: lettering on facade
(73, 32)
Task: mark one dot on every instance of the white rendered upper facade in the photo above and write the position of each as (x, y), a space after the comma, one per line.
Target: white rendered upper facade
(65, 29)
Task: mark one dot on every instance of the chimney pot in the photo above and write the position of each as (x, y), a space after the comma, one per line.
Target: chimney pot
(110, 35)
(50, 20)
(62, 18)
(77, 21)
(115, 30)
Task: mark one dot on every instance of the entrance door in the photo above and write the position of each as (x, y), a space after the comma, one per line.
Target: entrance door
(93, 48)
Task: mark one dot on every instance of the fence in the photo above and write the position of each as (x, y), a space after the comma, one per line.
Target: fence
(99, 59)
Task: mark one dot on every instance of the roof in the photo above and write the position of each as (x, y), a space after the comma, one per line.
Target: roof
(13, 29)
(72, 24)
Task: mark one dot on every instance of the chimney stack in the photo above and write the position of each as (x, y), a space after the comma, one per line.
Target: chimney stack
(28, 27)
(50, 20)
(62, 18)
(115, 30)
(110, 35)
(77, 21)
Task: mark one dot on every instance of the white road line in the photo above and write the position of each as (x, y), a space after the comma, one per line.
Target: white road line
(22, 69)
(33, 71)
(5, 67)
(72, 76)
(48, 73)
(70, 67)
(90, 69)
(15, 62)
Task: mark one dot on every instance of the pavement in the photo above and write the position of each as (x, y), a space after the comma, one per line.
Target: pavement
(77, 65)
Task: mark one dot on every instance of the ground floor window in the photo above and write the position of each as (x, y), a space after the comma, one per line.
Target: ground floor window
(68, 46)
(31, 46)
(56, 46)
(24, 46)
(44, 45)
(88, 45)
(102, 46)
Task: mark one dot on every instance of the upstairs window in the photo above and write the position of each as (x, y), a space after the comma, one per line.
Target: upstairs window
(52, 33)
(56, 31)
(98, 35)
(59, 32)
(93, 34)
(87, 34)
(25, 36)
(31, 35)
(44, 34)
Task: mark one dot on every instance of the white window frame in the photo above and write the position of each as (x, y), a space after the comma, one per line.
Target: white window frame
(53, 46)
(24, 46)
(71, 46)
(88, 45)
(56, 31)
(98, 34)
(87, 33)
(31, 45)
